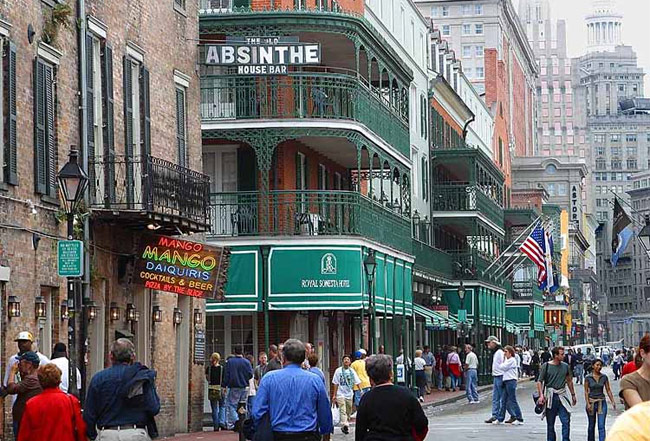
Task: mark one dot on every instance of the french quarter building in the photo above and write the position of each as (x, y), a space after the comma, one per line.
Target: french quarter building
(137, 129)
(319, 168)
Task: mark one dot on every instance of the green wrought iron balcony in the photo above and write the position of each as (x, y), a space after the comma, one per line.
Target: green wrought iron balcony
(432, 260)
(469, 265)
(320, 94)
(307, 213)
(466, 197)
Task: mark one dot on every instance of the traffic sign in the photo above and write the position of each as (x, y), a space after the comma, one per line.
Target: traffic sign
(70, 258)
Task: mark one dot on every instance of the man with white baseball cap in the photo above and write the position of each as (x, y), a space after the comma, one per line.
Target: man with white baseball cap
(25, 340)
(498, 397)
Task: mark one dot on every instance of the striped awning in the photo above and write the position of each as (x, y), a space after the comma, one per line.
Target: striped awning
(433, 319)
(512, 328)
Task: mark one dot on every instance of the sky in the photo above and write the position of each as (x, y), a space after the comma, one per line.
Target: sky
(636, 27)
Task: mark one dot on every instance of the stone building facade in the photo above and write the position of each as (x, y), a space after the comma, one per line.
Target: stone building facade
(143, 130)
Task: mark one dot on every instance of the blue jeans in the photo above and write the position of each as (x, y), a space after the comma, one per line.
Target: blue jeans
(358, 394)
(439, 379)
(565, 418)
(511, 405)
(218, 413)
(578, 372)
(471, 391)
(498, 397)
(591, 428)
(235, 395)
(455, 381)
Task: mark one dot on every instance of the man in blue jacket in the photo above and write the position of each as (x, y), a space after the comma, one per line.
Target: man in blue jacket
(238, 373)
(122, 401)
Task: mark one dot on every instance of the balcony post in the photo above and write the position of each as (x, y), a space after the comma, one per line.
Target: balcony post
(264, 145)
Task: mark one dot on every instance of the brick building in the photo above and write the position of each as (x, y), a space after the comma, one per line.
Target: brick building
(140, 148)
(490, 41)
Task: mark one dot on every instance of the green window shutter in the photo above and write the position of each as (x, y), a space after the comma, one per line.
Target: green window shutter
(320, 178)
(11, 142)
(128, 127)
(180, 127)
(90, 106)
(306, 173)
(108, 130)
(51, 144)
(145, 113)
(40, 151)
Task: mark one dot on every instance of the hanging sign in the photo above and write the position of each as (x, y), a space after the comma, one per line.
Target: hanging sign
(262, 55)
(181, 267)
(199, 346)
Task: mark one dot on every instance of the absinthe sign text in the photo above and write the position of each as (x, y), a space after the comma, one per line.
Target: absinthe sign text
(263, 55)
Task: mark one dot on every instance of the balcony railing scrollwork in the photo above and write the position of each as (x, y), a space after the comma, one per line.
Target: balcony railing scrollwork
(149, 184)
(306, 213)
(320, 93)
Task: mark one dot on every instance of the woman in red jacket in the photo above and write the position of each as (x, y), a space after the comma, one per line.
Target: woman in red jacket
(52, 415)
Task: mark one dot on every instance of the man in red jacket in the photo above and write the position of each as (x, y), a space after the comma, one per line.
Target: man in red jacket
(52, 415)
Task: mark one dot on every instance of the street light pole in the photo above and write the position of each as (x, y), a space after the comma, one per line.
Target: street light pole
(72, 182)
(370, 264)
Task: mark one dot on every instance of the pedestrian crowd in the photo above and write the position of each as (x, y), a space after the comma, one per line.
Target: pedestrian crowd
(121, 401)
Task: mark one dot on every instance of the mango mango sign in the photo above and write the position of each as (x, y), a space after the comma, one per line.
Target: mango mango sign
(181, 267)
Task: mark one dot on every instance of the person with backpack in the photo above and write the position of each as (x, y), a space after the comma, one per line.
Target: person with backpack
(554, 379)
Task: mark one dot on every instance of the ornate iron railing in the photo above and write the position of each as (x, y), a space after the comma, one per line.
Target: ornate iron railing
(304, 95)
(306, 213)
(469, 265)
(465, 197)
(147, 183)
(432, 259)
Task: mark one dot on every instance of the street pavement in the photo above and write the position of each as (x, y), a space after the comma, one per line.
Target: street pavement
(460, 421)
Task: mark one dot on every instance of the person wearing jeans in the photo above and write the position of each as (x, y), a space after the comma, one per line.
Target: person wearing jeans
(471, 369)
(216, 393)
(453, 363)
(554, 379)
(595, 386)
(498, 396)
(510, 368)
(239, 371)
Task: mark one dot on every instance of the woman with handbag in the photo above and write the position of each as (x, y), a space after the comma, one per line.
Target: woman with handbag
(216, 394)
(53, 414)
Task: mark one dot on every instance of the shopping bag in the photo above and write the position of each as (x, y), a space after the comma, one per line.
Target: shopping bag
(336, 415)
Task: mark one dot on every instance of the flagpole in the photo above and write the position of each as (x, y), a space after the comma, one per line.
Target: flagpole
(525, 231)
(504, 267)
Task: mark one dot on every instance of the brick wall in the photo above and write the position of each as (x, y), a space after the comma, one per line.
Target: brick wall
(168, 39)
(497, 97)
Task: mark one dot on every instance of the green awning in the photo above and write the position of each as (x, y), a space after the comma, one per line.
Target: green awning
(433, 319)
(242, 292)
(512, 327)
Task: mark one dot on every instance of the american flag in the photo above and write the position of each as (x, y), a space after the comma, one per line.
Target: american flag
(534, 248)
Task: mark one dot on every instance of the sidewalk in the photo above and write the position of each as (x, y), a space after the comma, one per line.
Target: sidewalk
(435, 399)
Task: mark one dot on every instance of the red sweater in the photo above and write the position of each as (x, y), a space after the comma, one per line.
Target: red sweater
(49, 416)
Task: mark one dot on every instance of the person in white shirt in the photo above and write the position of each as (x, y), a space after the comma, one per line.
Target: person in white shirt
(402, 369)
(344, 380)
(25, 341)
(510, 370)
(525, 361)
(498, 397)
(471, 372)
(60, 359)
(420, 375)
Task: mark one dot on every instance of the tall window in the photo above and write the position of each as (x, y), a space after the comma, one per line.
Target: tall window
(445, 30)
(8, 152)
(45, 141)
(181, 126)
(478, 29)
(137, 125)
